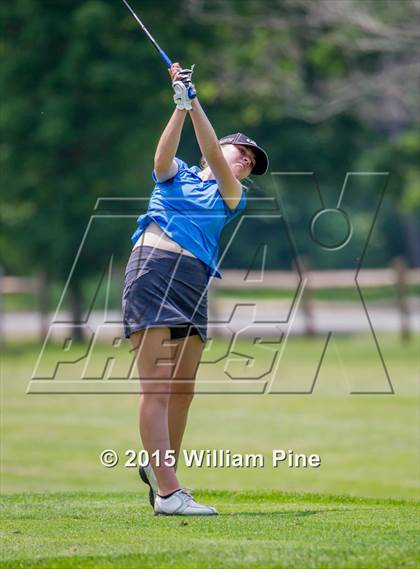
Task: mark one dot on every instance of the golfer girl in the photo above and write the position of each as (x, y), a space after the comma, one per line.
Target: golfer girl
(165, 291)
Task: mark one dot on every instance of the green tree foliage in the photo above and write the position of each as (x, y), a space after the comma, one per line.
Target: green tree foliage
(85, 97)
(331, 86)
(76, 85)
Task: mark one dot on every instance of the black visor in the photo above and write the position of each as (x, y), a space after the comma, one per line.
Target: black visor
(261, 158)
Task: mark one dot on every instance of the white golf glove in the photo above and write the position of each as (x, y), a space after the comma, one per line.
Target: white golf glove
(184, 89)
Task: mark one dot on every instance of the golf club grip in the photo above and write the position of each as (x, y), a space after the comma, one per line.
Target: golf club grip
(165, 58)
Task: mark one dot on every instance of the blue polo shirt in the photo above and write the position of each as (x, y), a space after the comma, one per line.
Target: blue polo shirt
(190, 211)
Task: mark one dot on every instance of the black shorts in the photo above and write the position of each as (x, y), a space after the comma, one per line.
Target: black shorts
(165, 289)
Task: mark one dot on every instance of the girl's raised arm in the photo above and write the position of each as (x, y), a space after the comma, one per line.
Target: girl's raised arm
(229, 186)
(165, 164)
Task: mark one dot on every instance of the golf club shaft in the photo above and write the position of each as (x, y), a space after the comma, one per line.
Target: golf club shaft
(149, 35)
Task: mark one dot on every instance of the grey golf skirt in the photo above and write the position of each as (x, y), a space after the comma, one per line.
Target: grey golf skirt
(165, 289)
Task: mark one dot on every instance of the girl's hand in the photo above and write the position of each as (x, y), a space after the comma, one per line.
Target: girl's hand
(185, 75)
(174, 69)
(183, 86)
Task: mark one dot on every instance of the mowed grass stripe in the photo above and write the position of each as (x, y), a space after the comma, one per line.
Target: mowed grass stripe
(262, 529)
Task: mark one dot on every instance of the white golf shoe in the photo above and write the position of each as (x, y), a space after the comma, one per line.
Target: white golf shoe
(181, 503)
(148, 476)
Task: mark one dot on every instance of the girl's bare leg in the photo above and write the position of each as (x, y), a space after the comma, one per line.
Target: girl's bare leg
(155, 363)
(187, 360)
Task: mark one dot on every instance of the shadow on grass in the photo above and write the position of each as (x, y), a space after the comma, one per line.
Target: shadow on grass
(297, 513)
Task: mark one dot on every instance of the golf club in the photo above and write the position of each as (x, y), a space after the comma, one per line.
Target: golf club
(149, 35)
(191, 91)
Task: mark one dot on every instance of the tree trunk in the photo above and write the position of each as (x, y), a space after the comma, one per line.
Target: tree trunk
(76, 307)
(44, 303)
(412, 238)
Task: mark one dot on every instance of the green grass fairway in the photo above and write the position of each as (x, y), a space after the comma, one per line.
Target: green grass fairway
(62, 508)
(368, 443)
(254, 529)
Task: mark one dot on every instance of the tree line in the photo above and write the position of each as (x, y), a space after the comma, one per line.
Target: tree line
(327, 87)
